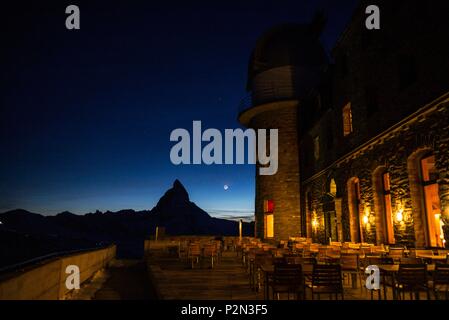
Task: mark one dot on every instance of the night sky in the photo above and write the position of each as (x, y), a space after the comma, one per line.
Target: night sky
(86, 115)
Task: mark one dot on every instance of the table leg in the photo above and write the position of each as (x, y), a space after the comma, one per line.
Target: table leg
(267, 289)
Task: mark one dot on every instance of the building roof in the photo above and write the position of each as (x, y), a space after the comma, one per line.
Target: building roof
(288, 44)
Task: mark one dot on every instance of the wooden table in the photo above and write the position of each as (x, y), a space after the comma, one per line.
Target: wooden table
(333, 256)
(381, 252)
(432, 257)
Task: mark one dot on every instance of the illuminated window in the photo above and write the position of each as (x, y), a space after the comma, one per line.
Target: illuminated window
(269, 223)
(316, 147)
(388, 212)
(347, 120)
(429, 177)
(333, 188)
(269, 218)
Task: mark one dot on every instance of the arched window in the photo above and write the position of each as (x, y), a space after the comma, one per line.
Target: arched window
(333, 188)
(426, 207)
(347, 119)
(429, 176)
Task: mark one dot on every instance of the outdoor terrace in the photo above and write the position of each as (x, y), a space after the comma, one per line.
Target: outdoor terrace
(246, 269)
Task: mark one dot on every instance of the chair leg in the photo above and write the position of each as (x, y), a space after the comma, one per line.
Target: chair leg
(360, 282)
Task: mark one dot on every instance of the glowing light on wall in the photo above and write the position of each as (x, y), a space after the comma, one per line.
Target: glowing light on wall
(366, 216)
(365, 219)
(441, 223)
(314, 221)
(400, 215)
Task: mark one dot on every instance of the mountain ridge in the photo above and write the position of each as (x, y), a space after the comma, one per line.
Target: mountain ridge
(127, 228)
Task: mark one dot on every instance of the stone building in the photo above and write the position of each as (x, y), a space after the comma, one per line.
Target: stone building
(363, 135)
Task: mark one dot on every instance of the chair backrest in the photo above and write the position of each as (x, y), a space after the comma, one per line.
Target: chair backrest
(441, 274)
(419, 252)
(412, 274)
(194, 249)
(293, 259)
(308, 260)
(443, 252)
(373, 261)
(396, 253)
(210, 250)
(327, 276)
(349, 261)
(387, 260)
(287, 274)
(411, 261)
(376, 249)
(322, 251)
(354, 246)
(261, 258)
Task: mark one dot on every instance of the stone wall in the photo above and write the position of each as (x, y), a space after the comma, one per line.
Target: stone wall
(387, 76)
(46, 281)
(427, 132)
(283, 187)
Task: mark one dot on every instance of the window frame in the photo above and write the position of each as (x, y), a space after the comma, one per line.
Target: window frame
(347, 120)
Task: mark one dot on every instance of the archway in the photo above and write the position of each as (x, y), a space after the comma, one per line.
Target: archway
(425, 198)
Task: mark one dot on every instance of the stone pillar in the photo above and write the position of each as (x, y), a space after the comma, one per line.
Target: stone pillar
(338, 212)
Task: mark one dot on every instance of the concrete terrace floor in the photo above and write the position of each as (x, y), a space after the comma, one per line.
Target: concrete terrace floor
(122, 280)
(228, 280)
(173, 279)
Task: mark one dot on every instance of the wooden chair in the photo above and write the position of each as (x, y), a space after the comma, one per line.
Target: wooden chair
(326, 279)
(412, 278)
(287, 278)
(194, 253)
(210, 252)
(293, 259)
(350, 266)
(255, 274)
(321, 256)
(396, 254)
(440, 281)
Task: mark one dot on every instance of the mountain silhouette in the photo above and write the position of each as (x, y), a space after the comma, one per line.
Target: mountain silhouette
(127, 228)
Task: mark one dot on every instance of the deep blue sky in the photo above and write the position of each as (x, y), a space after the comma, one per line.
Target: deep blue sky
(86, 115)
